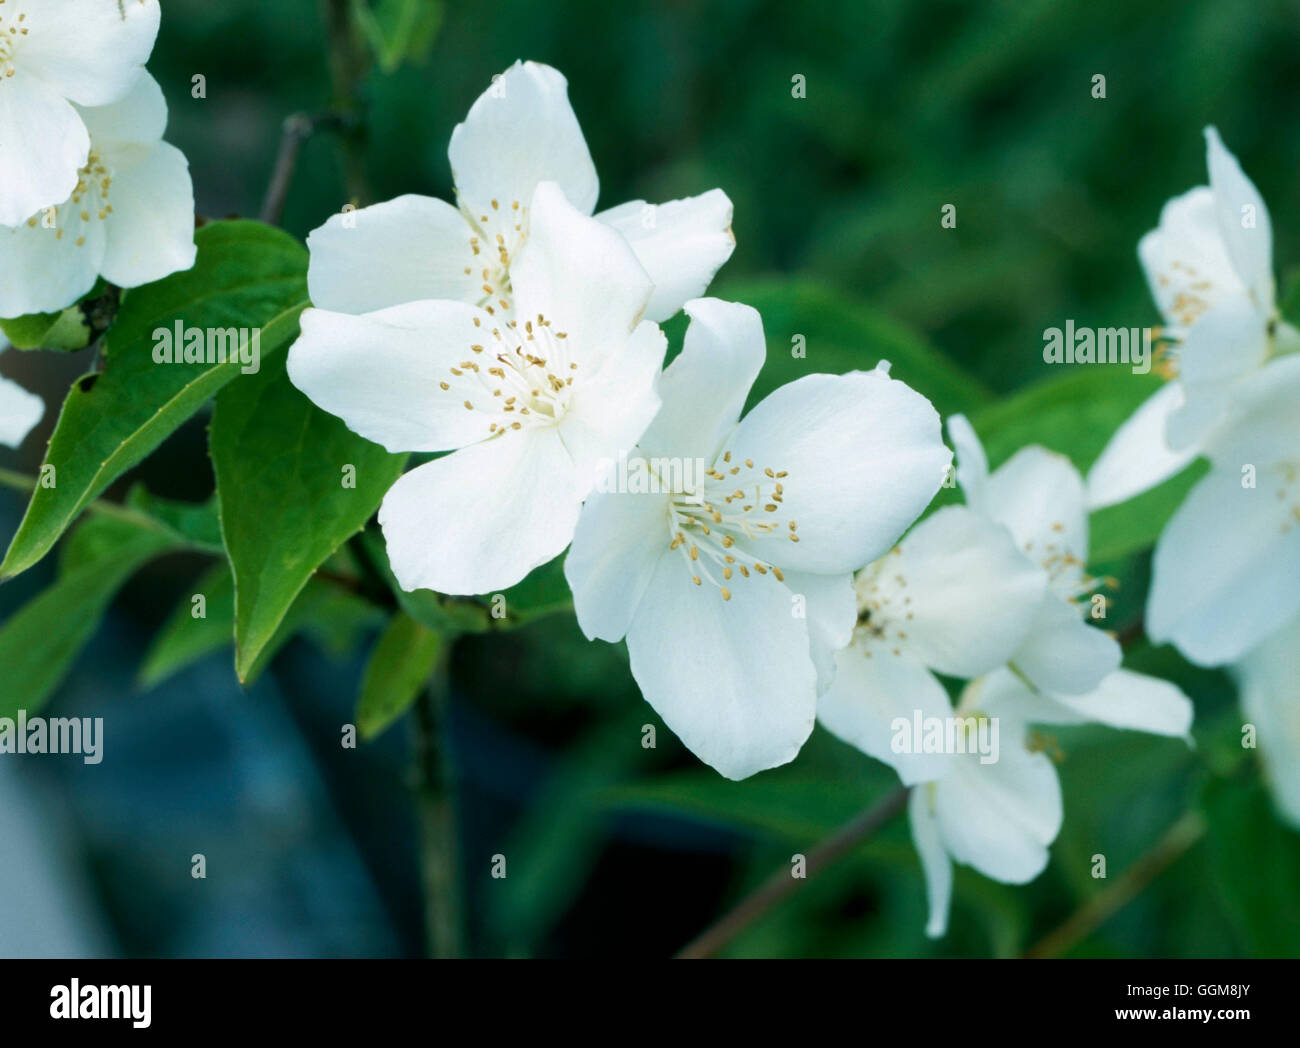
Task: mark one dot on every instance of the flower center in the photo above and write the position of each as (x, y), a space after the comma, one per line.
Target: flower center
(88, 203)
(883, 607)
(11, 28)
(732, 502)
(516, 377)
(496, 238)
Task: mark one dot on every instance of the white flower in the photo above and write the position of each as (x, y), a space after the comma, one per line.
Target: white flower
(1038, 496)
(1225, 569)
(957, 597)
(535, 405)
(734, 587)
(1210, 269)
(20, 411)
(129, 218)
(54, 53)
(1267, 679)
(521, 132)
(1000, 816)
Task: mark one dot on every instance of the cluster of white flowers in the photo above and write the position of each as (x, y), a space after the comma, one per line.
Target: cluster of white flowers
(521, 334)
(995, 593)
(1226, 573)
(87, 186)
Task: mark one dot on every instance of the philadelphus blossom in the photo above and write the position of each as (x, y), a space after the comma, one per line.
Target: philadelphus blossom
(957, 597)
(1210, 268)
(987, 591)
(732, 581)
(534, 404)
(521, 132)
(1225, 567)
(1000, 816)
(1266, 679)
(129, 218)
(1038, 496)
(56, 56)
(20, 411)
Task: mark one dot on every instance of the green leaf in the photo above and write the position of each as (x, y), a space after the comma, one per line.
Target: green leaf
(281, 465)
(195, 523)
(841, 334)
(400, 30)
(544, 591)
(332, 616)
(67, 330)
(1076, 415)
(1255, 861)
(39, 642)
(247, 276)
(183, 639)
(399, 667)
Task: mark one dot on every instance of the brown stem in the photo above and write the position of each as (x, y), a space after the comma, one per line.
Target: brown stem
(296, 130)
(1177, 840)
(781, 884)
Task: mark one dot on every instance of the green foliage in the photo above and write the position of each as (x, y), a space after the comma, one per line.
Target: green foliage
(293, 484)
(39, 642)
(66, 330)
(399, 31)
(399, 668)
(247, 275)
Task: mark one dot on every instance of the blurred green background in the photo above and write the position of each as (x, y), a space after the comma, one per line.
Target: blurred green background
(613, 849)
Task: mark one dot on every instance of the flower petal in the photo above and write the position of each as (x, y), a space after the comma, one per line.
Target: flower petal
(44, 270)
(1061, 653)
(618, 542)
(1225, 566)
(1244, 222)
(1267, 678)
(705, 387)
(1186, 262)
(519, 133)
(972, 463)
(1138, 457)
(151, 230)
(381, 373)
(1000, 817)
(20, 411)
(137, 118)
(863, 454)
(876, 695)
(971, 594)
(1124, 699)
(403, 250)
(45, 145)
(1263, 428)
(732, 678)
(831, 608)
(480, 519)
(1038, 495)
(581, 276)
(935, 863)
(681, 244)
(610, 411)
(91, 51)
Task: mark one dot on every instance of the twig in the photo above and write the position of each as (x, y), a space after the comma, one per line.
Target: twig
(296, 130)
(781, 884)
(1177, 840)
